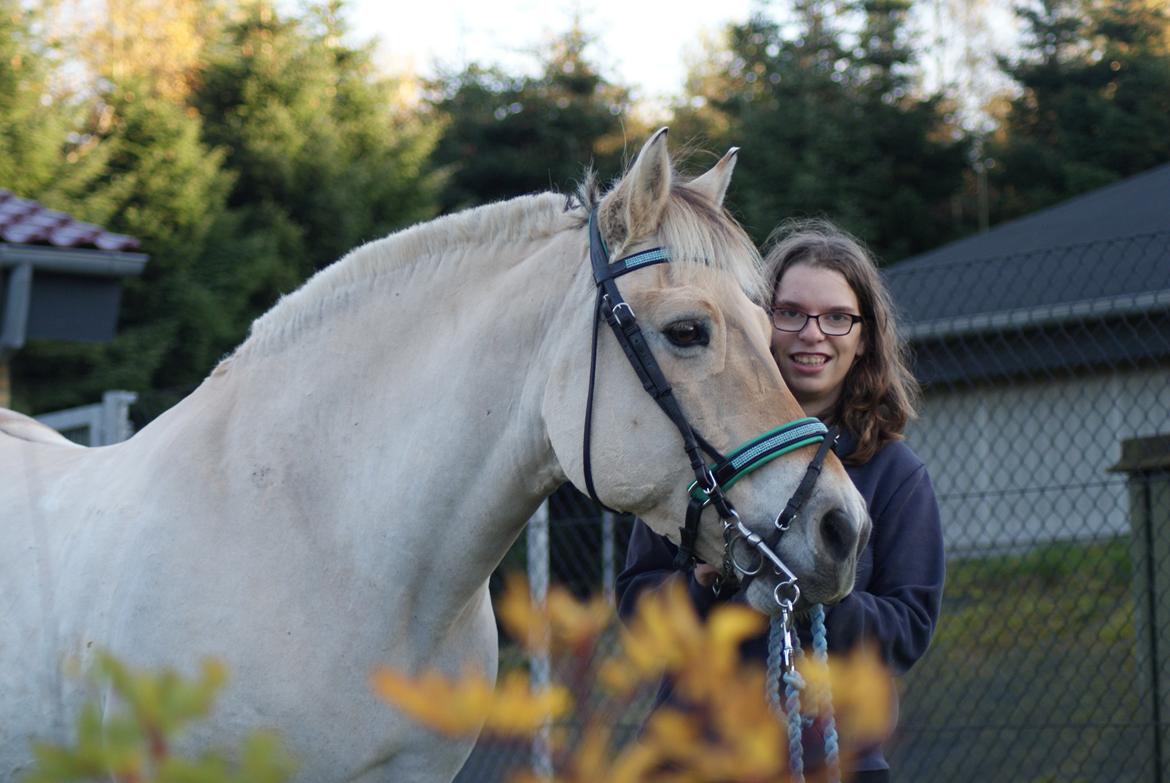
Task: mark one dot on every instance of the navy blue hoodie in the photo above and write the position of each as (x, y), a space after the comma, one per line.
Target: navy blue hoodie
(898, 591)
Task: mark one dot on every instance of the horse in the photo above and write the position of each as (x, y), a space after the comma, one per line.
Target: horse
(335, 494)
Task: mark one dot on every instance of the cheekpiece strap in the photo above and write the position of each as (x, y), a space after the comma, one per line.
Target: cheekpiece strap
(620, 316)
(761, 450)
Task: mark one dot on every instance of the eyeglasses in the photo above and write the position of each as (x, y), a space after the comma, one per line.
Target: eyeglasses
(831, 324)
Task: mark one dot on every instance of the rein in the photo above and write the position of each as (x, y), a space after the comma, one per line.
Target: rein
(744, 551)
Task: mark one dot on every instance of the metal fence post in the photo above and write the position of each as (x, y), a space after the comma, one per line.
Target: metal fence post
(1146, 461)
(540, 669)
(608, 564)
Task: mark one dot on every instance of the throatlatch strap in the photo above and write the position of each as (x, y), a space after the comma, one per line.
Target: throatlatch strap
(589, 411)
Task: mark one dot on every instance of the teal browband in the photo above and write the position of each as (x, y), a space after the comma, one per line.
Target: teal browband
(760, 450)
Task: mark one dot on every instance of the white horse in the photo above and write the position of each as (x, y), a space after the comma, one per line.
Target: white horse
(336, 493)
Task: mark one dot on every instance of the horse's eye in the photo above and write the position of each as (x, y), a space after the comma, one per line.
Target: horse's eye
(687, 334)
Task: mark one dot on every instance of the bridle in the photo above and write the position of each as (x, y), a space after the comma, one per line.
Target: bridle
(739, 542)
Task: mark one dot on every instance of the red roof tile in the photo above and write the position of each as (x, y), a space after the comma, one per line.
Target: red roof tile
(24, 221)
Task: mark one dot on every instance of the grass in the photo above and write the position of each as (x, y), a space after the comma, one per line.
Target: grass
(1032, 674)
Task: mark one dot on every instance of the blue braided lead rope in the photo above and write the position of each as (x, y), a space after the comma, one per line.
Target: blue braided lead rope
(775, 665)
(793, 685)
(824, 701)
(789, 711)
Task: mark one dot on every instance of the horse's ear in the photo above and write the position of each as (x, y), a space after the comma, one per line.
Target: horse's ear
(635, 207)
(713, 183)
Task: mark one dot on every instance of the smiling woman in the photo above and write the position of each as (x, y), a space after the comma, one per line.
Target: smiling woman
(835, 344)
(814, 312)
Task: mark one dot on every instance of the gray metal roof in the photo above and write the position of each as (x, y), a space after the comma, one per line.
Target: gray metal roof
(1102, 258)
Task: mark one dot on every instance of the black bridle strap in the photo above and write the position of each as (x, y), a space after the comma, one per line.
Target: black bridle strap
(621, 319)
(807, 483)
(743, 460)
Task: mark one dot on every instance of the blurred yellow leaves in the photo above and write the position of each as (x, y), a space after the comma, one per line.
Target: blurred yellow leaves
(462, 707)
(563, 622)
(665, 636)
(722, 730)
(862, 694)
(131, 736)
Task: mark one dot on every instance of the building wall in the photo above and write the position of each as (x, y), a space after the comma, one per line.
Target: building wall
(1025, 462)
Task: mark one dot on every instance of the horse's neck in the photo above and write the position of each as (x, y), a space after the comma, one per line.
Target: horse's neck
(413, 417)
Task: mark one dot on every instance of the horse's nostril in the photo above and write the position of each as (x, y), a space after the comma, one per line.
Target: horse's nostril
(837, 535)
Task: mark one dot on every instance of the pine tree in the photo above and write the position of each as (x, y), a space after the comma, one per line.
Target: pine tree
(264, 148)
(324, 152)
(149, 176)
(37, 116)
(509, 135)
(1095, 105)
(829, 126)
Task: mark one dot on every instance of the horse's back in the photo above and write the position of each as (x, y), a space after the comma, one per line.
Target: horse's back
(17, 426)
(38, 518)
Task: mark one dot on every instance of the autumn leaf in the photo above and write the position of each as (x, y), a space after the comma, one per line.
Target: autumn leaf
(464, 706)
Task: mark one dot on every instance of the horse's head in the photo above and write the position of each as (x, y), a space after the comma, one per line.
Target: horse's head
(702, 319)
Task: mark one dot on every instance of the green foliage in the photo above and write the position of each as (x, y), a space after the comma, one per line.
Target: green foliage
(33, 121)
(505, 136)
(161, 184)
(287, 151)
(134, 743)
(319, 143)
(1095, 105)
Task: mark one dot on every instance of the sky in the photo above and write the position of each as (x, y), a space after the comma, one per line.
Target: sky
(640, 43)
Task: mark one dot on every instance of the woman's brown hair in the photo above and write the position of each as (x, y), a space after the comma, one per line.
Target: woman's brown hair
(880, 393)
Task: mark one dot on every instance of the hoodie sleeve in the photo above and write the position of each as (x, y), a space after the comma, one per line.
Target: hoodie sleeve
(899, 605)
(649, 563)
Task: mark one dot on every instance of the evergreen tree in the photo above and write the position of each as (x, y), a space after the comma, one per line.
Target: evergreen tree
(325, 155)
(37, 117)
(1095, 105)
(154, 179)
(163, 186)
(272, 153)
(830, 127)
(507, 135)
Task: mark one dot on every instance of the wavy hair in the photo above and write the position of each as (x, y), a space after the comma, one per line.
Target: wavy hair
(880, 395)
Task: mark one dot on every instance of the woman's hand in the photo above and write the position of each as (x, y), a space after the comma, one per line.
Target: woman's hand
(705, 575)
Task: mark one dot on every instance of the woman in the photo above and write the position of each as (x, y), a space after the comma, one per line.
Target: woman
(835, 342)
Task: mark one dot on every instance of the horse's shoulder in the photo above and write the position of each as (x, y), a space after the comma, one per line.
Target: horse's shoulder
(17, 425)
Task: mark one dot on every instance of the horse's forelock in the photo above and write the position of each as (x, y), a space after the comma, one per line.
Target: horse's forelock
(695, 230)
(698, 232)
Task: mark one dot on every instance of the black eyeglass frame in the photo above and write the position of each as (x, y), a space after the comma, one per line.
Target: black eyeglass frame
(854, 320)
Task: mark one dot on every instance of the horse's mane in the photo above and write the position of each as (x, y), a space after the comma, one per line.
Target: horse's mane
(694, 230)
(525, 218)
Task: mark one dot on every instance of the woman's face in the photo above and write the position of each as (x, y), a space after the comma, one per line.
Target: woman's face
(814, 364)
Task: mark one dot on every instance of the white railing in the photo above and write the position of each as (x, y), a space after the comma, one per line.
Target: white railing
(99, 424)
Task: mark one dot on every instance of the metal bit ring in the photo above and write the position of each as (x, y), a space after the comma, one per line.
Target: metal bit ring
(786, 602)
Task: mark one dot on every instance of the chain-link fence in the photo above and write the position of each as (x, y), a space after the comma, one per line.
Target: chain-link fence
(1052, 657)
(1037, 368)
